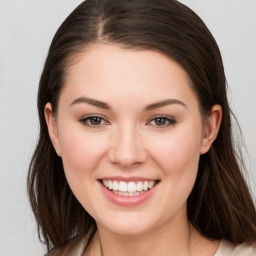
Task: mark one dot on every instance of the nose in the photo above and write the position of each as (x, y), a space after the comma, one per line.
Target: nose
(127, 148)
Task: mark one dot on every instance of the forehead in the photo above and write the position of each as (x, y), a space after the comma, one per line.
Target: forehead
(108, 71)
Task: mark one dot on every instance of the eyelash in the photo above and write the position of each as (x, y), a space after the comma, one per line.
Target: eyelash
(168, 121)
(87, 121)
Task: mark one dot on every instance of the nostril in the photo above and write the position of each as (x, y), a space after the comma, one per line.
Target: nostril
(127, 158)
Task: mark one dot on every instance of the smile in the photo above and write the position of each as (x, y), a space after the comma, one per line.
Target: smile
(131, 188)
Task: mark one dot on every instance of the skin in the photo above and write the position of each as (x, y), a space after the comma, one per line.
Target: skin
(129, 142)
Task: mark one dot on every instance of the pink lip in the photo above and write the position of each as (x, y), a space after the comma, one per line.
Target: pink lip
(127, 200)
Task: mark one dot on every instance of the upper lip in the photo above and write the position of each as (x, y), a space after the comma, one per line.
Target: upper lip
(127, 179)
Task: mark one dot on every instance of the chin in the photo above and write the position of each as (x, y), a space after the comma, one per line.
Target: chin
(129, 225)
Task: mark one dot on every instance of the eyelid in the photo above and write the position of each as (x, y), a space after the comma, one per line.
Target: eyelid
(171, 121)
(85, 118)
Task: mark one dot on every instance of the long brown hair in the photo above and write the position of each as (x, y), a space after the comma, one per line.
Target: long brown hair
(220, 205)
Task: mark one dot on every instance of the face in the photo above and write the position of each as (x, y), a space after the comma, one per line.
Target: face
(130, 134)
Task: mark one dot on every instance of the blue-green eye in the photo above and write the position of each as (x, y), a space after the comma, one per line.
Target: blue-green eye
(162, 121)
(93, 121)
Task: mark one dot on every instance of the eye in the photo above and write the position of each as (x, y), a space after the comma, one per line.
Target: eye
(93, 121)
(162, 121)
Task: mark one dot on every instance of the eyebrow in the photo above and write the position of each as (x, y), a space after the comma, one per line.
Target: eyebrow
(90, 101)
(104, 105)
(164, 103)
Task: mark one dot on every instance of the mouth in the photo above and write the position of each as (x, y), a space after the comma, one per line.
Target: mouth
(129, 189)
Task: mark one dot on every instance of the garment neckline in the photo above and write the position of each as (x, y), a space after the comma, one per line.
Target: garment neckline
(225, 248)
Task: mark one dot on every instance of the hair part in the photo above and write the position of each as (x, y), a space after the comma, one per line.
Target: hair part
(220, 205)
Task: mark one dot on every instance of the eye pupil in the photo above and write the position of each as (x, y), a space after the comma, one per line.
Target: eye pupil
(160, 121)
(95, 120)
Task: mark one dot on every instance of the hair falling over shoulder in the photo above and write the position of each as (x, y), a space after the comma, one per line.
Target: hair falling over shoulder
(220, 205)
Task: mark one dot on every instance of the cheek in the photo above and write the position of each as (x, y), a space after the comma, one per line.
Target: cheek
(178, 159)
(177, 150)
(178, 156)
(81, 152)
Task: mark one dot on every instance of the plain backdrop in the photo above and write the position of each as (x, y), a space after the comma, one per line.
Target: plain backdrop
(26, 29)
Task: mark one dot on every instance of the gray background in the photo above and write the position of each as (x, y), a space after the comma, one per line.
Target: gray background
(26, 29)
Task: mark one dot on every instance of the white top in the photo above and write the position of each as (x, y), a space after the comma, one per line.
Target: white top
(229, 249)
(225, 249)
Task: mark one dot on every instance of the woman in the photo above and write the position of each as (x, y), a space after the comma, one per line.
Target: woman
(135, 154)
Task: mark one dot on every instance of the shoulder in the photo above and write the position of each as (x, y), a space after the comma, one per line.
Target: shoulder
(229, 249)
(245, 250)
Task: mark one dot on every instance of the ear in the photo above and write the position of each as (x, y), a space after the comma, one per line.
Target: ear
(52, 127)
(211, 128)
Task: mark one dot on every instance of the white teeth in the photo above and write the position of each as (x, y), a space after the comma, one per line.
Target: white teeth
(139, 186)
(115, 185)
(126, 193)
(110, 184)
(122, 186)
(132, 187)
(151, 184)
(145, 185)
(128, 188)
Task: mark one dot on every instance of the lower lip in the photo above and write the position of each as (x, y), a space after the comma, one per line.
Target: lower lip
(127, 200)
